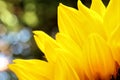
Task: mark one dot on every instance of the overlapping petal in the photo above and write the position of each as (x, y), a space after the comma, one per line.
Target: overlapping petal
(73, 22)
(112, 16)
(64, 70)
(46, 44)
(41, 38)
(69, 23)
(114, 42)
(27, 70)
(98, 6)
(99, 56)
(73, 54)
(93, 19)
(63, 40)
(86, 47)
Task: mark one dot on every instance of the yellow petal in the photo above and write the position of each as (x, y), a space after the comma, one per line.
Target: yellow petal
(114, 42)
(116, 53)
(94, 23)
(73, 23)
(41, 38)
(65, 42)
(64, 70)
(27, 70)
(73, 54)
(99, 56)
(50, 52)
(112, 16)
(98, 6)
(69, 23)
(46, 44)
(90, 14)
(114, 38)
(19, 73)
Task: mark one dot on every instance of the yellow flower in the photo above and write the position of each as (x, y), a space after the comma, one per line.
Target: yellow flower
(87, 46)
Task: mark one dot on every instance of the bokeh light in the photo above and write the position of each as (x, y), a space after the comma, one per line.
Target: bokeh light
(4, 76)
(4, 61)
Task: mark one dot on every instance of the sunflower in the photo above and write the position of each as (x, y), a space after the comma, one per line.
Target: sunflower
(87, 46)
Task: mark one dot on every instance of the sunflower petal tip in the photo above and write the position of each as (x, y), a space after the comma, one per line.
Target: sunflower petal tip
(79, 2)
(61, 5)
(36, 32)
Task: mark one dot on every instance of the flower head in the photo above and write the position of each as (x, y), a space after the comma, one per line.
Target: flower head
(87, 46)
